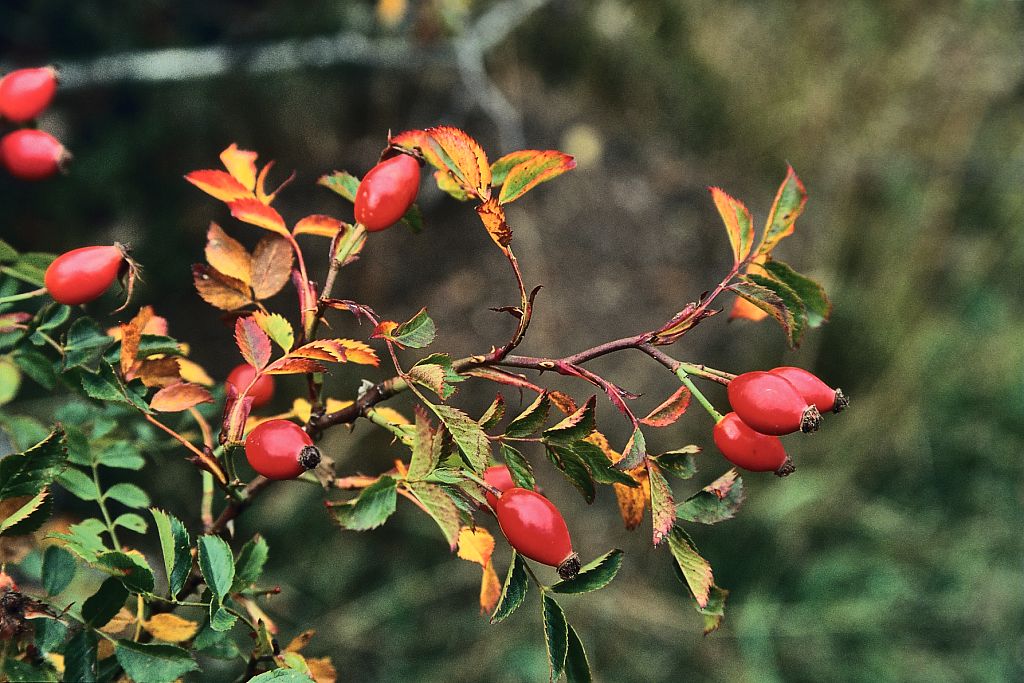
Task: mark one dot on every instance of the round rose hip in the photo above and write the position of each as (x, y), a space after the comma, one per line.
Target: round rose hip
(261, 392)
(279, 449)
(771, 405)
(534, 527)
(387, 192)
(750, 450)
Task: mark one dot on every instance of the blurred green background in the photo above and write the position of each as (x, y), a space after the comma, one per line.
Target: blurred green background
(893, 554)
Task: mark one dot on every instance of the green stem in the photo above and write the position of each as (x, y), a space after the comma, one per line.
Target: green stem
(103, 508)
(473, 478)
(705, 403)
(379, 420)
(707, 373)
(24, 295)
(540, 584)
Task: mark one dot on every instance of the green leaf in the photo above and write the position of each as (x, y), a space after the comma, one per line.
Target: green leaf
(50, 635)
(27, 473)
(737, 223)
(174, 543)
(157, 344)
(601, 468)
(574, 427)
(593, 576)
(441, 508)
(58, 569)
(128, 494)
(85, 344)
(342, 183)
(80, 657)
(679, 462)
(714, 613)
(470, 439)
(220, 618)
(788, 205)
(501, 167)
(816, 302)
(513, 592)
(426, 447)
(131, 569)
(132, 522)
(52, 317)
(663, 512)
(278, 329)
(217, 564)
(494, 413)
(83, 539)
(20, 671)
(153, 663)
(577, 666)
(105, 385)
(695, 569)
(30, 516)
(415, 333)
(249, 565)
(101, 606)
(530, 420)
(539, 167)
(518, 466)
(717, 502)
(7, 253)
(575, 470)
(37, 366)
(371, 509)
(635, 453)
(78, 484)
(31, 267)
(435, 372)
(281, 676)
(10, 380)
(556, 636)
(216, 644)
(77, 444)
(778, 300)
(121, 455)
(413, 219)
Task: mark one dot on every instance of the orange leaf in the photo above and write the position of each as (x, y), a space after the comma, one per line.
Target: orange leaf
(160, 372)
(566, 404)
(476, 545)
(737, 221)
(492, 215)
(179, 397)
(419, 140)
(218, 184)
(358, 352)
(271, 266)
(465, 158)
(741, 308)
(322, 670)
(227, 255)
(241, 165)
(490, 589)
(633, 501)
(318, 224)
(219, 290)
(253, 342)
(294, 366)
(671, 410)
(300, 641)
(131, 335)
(256, 213)
(788, 205)
(261, 181)
(538, 168)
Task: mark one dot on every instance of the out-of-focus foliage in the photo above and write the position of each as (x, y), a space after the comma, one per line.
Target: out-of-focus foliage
(895, 554)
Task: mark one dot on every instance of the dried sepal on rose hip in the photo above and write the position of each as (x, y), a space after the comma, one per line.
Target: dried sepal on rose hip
(84, 274)
(771, 405)
(262, 391)
(751, 450)
(813, 389)
(387, 191)
(536, 529)
(33, 155)
(26, 93)
(279, 449)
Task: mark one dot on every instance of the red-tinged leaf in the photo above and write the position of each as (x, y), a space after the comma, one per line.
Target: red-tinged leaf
(721, 486)
(320, 349)
(241, 165)
(742, 308)
(220, 290)
(463, 156)
(492, 215)
(695, 570)
(253, 342)
(131, 336)
(261, 181)
(737, 221)
(318, 224)
(228, 255)
(777, 299)
(12, 321)
(663, 510)
(218, 184)
(271, 266)
(501, 167)
(179, 397)
(358, 352)
(563, 402)
(541, 167)
(788, 205)
(236, 413)
(671, 410)
(254, 212)
(503, 377)
(294, 366)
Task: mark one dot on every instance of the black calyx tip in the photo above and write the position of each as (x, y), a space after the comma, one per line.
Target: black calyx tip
(570, 567)
(309, 457)
(842, 402)
(810, 420)
(786, 468)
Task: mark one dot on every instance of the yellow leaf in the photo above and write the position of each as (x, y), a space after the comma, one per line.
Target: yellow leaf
(227, 255)
(300, 641)
(170, 627)
(318, 224)
(56, 661)
(241, 165)
(218, 184)
(492, 215)
(219, 290)
(256, 213)
(389, 414)
(737, 223)
(633, 501)
(476, 545)
(191, 371)
(121, 621)
(322, 670)
(391, 12)
(490, 589)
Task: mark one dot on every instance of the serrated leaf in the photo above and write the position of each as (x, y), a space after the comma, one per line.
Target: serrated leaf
(37, 366)
(80, 657)
(174, 543)
(513, 591)
(788, 205)
(519, 467)
(635, 452)
(695, 569)
(153, 663)
(530, 420)
(816, 302)
(271, 266)
(121, 455)
(131, 568)
(26, 514)
(574, 469)
(494, 413)
(218, 184)
(601, 468)
(426, 448)
(539, 167)
(766, 299)
(556, 636)
(714, 612)
(435, 372)
(281, 676)
(78, 484)
(476, 545)
(594, 575)
(277, 328)
(85, 344)
(127, 494)
(577, 666)
(253, 342)
(738, 223)
(179, 397)
(371, 509)
(415, 333)
(492, 215)
(575, 426)
(217, 564)
(249, 565)
(663, 511)
(716, 502)
(132, 522)
(102, 605)
(448, 148)
(441, 508)
(470, 439)
(26, 473)
(83, 539)
(319, 225)
(227, 255)
(671, 410)
(791, 314)
(170, 627)
(58, 569)
(220, 290)
(342, 183)
(105, 385)
(679, 462)
(255, 212)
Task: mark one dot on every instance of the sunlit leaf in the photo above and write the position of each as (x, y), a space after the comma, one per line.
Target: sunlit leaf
(170, 627)
(342, 183)
(257, 213)
(671, 410)
(492, 215)
(318, 224)
(178, 397)
(277, 328)
(788, 205)
(738, 223)
(228, 255)
(415, 333)
(241, 164)
(533, 170)
(253, 342)
(476, 545)
(25, 514)
(220, 290)
(271, 266)
(695, 569)
(218, 184)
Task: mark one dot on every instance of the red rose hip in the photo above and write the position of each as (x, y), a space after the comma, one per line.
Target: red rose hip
(535, 528)
(82, 275)
(32, 154)
(500, 478)
(261, 392)
(26, 93)
(387, 192)
(816, 392)
(279, 449)
(750, 450)
(771, 405)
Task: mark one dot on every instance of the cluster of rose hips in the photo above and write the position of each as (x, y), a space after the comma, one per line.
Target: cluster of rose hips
(767, 405)
(29, 153)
